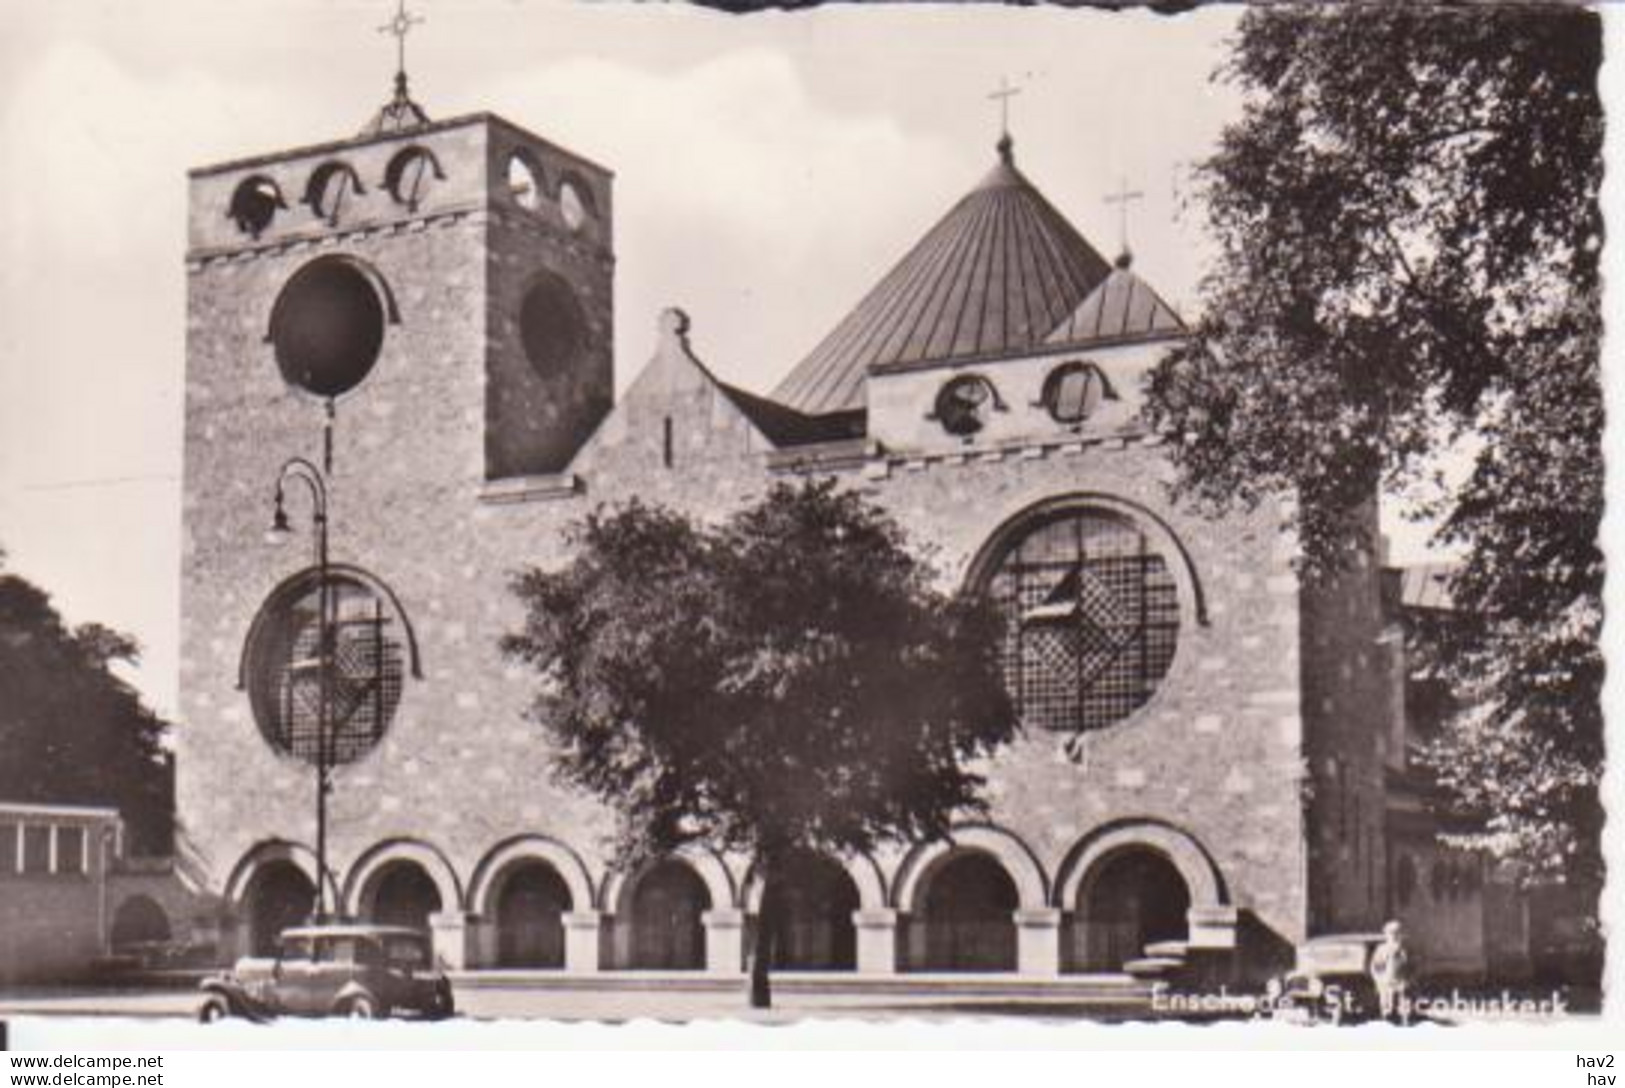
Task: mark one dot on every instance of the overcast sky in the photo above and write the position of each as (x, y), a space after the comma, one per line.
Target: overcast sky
(769, 169)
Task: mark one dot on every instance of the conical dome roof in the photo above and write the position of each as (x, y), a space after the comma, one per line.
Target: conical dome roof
(996, 274)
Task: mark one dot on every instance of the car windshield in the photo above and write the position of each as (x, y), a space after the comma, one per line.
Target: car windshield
(338, 950)
(407, 951)
(295, 948)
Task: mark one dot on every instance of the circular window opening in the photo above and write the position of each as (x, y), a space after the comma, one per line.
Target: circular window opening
(964, 404)
(303, 698)
(524, 182)
(1092, 619)
(254, 204)
(327, 327)
(552, 326)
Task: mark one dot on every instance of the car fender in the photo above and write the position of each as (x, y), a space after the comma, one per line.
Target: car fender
(238, 999)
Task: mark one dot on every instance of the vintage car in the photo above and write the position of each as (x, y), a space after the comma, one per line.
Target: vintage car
(1329, 983)
(363, 971)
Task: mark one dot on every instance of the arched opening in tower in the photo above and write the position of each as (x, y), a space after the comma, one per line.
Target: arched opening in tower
(969, 915)
(668, 929)
(404, 895)
(280, 896)
(816, 902)
(530, 917)
(1134, 898)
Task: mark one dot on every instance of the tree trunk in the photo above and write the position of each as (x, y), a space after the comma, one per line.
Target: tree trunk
(764, 941)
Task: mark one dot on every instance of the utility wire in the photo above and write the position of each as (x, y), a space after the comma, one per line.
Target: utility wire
(103, 481)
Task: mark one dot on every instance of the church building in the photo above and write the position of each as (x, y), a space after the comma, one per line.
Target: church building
(423, 313)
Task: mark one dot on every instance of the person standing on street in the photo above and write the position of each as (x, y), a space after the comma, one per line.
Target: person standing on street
(1391, 971)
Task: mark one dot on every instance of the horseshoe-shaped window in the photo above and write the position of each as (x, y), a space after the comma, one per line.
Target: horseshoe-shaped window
(254, 204)
(964, 404)
(1074, 391)
(332, 188)
(410, 175)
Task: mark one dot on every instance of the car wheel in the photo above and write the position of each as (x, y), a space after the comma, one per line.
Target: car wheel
(445, 1005)
(214, 1008)
(361, 1007)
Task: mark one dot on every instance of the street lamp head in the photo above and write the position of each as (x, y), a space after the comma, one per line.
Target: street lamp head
(280, 531)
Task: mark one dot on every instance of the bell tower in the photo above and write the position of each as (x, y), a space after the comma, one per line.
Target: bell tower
(411, 312)
(408, 251)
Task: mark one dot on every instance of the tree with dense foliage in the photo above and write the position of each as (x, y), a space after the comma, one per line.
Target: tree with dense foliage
(787, 683)
(1409, 234)
(72, 731)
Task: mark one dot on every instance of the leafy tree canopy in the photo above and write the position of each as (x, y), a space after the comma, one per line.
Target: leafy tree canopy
(787, 681)
(1409, 236)
(71, 730)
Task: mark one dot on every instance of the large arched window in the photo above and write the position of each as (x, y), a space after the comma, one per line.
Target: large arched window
(346, 704)
(1092, 613)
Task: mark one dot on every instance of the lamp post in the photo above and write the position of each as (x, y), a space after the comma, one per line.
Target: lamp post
(297, 468)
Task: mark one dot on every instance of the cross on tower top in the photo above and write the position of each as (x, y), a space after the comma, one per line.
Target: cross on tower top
(399, 26)
(1003, 96)
(1121, 198)
(399, 113)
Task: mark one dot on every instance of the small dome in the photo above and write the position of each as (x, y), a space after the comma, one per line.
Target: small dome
(1123, 306)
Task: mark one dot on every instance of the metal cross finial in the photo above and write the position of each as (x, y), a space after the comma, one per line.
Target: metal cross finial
(1003, 96)
(1121, 198)
(400, 26)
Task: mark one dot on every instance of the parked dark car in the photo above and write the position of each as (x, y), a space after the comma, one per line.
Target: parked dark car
(362, 971)
(1330, 982)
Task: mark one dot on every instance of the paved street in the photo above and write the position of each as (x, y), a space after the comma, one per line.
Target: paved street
(590, 1005)
(550, 1003)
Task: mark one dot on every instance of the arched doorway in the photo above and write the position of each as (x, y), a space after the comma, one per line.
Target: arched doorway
(969, 915)
(280, 896)
(668, 932)
(530, 916)
(138, 921)
(403, 894)
(817, 900)
(1134, 898)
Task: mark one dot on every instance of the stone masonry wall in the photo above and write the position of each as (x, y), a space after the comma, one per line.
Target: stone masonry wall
(1217, 755)
(1217, 751)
